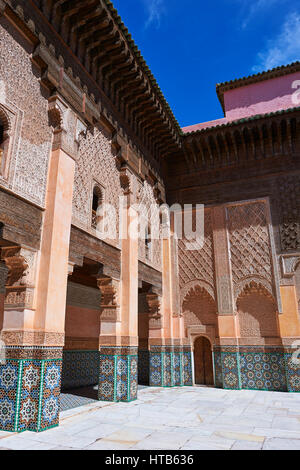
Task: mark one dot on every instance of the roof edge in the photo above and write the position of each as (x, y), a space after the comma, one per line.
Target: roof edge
(255, 78)
(242, 121)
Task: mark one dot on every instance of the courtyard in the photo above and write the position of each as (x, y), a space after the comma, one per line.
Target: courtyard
(189, 418)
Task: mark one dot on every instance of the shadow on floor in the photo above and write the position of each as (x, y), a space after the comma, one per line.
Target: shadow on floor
(77, 397)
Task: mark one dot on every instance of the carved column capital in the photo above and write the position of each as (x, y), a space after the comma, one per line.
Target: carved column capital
(15, 263)
(67, 128)
(21, 266)
(109, 304)
(289, 264)
(71, 267)
(154, 306)
(3, 277)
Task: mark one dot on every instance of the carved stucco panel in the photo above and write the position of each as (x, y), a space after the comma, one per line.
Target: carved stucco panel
(198, 264)
(250, 246)
(95, 163)
(288, 199)
(297, 282)
(20, 89)
(147, 201)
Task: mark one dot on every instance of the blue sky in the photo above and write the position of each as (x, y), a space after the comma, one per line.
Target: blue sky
(191, 45)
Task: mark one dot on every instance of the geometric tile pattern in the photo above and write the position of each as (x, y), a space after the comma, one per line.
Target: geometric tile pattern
(218, 368)
(256, 368)
(177, 368)
(170, 366)
(292, 372)
(80, 369)
(231, 370)
(263, 371)
(157, 362)
(29, 394)
(50, 394)
(187, 367)
(118, 374)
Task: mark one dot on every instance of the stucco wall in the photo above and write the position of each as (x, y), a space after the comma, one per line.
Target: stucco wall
(260, 98)
(26, 103)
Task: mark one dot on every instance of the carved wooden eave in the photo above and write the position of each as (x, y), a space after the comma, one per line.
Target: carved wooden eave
(257, 138)
(100, 71)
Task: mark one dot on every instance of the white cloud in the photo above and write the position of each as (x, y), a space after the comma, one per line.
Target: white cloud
(282, 49)
(155, 9)
(251, 10)
(254, 8)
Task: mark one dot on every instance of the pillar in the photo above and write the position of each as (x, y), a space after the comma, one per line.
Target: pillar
(3, 278)
(119, 340)
(170, 356)
(34, 316)
(289, 325)
(226, 355)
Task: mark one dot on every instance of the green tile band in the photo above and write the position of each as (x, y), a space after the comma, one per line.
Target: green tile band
(172, 368)
(128, 377)
(162, 370)
(41, 395)
(181, 369)
(18, 394)
(115, 377)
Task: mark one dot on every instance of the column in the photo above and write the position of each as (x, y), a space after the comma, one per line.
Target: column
(226, 355)
(119, 342)
(170, 358)
(290, 333)
(3, 278)
(34, 317)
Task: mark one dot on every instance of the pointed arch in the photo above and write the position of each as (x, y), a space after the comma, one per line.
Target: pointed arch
(257, 312)
(199, 307)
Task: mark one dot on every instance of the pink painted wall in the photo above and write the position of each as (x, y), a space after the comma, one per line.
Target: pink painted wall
(82, 322)
(261, 98)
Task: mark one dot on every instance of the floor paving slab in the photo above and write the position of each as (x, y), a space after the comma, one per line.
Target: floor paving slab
(191, 418)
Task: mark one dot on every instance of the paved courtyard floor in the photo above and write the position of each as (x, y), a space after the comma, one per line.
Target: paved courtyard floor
(188, 418)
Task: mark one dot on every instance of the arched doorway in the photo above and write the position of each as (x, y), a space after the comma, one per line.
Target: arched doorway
(203, 362)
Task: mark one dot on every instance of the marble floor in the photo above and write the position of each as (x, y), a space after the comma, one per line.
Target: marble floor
(189, 418)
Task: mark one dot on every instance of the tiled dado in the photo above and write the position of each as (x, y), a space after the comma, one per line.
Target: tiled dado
(30, 380)
(227, 369)
(256, 368)
(170, 366)
(118, 374)
(80, 369)
(292, 359)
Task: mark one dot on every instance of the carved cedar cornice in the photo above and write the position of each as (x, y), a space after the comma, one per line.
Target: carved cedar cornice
(255, 138)
(107, 64)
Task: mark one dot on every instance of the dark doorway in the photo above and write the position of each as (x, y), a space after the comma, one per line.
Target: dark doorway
(203, 362)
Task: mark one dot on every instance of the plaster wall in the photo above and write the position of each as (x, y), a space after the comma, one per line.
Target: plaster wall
(260, 98)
